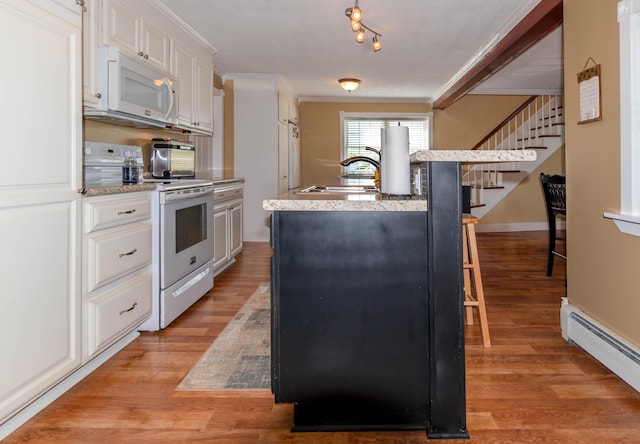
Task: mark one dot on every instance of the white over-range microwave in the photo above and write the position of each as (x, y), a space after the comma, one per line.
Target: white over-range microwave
(133, 93)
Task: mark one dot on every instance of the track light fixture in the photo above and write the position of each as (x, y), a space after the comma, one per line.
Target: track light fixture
(355, 16)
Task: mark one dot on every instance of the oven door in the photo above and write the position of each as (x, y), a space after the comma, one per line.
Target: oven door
(186, 232)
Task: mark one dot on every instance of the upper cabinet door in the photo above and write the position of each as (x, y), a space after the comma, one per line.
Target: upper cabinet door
(194, 71)
(155, 45)
(128, 30)
(204, 70)
(120, 26)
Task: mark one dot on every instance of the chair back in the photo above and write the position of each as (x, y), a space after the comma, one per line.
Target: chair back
(554, 189)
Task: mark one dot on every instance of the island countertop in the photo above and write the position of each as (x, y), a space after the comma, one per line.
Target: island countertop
(474, 156)
(295, 201)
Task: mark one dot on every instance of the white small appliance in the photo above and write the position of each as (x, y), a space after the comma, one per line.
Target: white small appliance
(133, 93)
(294, 156)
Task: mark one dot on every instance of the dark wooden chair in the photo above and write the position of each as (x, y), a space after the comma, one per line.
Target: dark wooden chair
(554, 189)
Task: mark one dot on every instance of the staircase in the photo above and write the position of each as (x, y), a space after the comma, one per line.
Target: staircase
(537, 124)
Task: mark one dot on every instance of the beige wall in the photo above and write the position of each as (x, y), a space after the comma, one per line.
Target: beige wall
(229, 123)
(603, 263)
(460, 126)
(320, 135)
(103, 132)
(463, 124)
(467, 121)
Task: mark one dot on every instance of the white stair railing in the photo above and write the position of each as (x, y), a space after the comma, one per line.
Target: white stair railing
(526, 128)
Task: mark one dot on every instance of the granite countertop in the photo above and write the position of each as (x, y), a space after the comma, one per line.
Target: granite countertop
(474, 156)
(119, 189)
(293, 201)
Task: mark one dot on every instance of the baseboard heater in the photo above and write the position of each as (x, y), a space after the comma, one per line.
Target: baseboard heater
(621, 358)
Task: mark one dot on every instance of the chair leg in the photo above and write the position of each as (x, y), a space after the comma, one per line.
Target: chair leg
(552, 247)
(466, 274)
(473, 250)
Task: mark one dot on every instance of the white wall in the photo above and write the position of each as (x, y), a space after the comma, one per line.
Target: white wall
(256, 148)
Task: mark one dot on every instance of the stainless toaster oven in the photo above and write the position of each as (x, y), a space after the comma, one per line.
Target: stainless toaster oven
(172, 159)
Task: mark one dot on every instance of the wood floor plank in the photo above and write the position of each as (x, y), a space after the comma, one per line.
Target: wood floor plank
(530, 386)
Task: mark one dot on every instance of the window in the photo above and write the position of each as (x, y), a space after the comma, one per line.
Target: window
(360, 130)
(628, 219)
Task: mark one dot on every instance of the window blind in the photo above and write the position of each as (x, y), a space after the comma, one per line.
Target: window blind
(361, 132)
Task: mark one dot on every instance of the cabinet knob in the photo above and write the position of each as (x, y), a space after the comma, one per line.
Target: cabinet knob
(146, 56)
(141, 54)
(98, 95)
(80, 2)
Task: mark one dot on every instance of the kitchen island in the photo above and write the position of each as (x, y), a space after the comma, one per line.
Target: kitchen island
(367, 307)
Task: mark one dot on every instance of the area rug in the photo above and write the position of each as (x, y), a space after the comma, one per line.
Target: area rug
(238, 359)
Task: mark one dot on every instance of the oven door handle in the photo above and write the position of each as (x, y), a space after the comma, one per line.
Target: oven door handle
(190, 283)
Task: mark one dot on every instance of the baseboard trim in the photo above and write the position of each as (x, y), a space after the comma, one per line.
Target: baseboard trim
(515, 226)
(610, 349)
(59, 389)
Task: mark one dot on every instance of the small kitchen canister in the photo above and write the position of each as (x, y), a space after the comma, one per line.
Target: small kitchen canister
(130, 169)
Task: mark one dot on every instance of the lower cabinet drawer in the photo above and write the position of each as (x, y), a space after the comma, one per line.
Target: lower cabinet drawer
(116, 312)
(114, 253)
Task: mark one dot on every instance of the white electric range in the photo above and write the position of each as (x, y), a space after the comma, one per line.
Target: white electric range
(182, 231)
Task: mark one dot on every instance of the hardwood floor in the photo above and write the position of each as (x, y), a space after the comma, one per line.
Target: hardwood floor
(530, 386)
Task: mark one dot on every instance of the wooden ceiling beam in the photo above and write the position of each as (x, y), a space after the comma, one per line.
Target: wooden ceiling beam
(543, 19)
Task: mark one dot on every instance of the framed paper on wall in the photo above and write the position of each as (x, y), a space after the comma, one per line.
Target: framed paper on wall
(590, 97)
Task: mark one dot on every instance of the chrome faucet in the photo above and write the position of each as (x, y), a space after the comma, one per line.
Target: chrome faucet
(354, 159)
(375, 163)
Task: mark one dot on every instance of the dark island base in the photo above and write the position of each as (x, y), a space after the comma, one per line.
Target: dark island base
(338, 416)
(367, 316)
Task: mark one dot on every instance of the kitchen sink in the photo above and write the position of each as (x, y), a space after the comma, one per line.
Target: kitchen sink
(339, 189)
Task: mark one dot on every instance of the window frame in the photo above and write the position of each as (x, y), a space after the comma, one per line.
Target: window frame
(628, 218)
(428, 117)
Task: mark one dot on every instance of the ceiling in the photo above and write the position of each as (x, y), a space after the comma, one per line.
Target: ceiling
(427, 45)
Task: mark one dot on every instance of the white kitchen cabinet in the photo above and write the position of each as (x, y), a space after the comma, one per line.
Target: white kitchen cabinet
(235, 227)
(117, 286)
(90, 37)
(293, 111)
(283, 107)
(227, 225)
(40, 214)
(193, 66)
(287, 104)
(129, 26)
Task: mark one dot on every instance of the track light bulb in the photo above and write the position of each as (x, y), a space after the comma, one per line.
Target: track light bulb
(360, 36)
(377, 46)
(355, 26)
(356, 14)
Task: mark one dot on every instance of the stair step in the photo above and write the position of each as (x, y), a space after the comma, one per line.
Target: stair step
(478, 205)
(531, 147)
(551, 117)
(487, 187)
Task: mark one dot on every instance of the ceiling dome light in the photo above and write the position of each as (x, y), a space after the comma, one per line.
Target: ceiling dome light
(360, 36)
(349, 84)
(377, 46)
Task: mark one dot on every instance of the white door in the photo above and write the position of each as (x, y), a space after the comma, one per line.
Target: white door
(40, 173)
